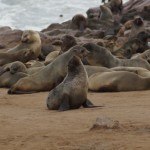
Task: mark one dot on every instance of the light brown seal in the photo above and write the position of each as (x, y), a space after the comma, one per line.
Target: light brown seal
(117, 81)
(30, 40)
(50, 76)
(13, 67)
(99, 56)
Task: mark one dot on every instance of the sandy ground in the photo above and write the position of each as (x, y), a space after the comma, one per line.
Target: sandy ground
(26, 124)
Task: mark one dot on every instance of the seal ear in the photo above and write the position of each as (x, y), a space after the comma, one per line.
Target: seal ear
(64, 103)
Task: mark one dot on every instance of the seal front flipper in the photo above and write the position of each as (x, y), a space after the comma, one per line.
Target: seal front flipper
(89, 104)
(64, 104)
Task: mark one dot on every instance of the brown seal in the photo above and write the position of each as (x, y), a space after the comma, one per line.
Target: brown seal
(137, 27)
(13, 67)
(50, 76)
(7, 79)
(30, 40)
(72, 92)
(23, 56)
(79, 22)
(100, 56)
(117, 81)
(106, 16)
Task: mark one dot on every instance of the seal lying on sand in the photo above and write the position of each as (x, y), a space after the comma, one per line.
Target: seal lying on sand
(99, 56)
(30, 40)
(72, 92)
(8, 79)
(50, 76)
(13, 67)
(117, 81)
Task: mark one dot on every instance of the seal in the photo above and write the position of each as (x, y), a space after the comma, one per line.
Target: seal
(99, 56)
(117, 81)
(7, 79)
(106, 16)
(23, 56)
(51, 57)
(116, 6)
(13, 67)
(72, 92)
(68, 41)
(137, 27)
(79, 22)
(50, 76)
(145, 55)
(30, 40)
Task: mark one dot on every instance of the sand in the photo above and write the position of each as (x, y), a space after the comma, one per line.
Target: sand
(26, 124)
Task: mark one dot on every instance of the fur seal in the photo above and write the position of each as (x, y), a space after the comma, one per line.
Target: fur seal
(68, 41)
(117, 81)
(116, 6)
(106, 16)
(7, 79)
(30, 40)
(23, 56)
(99, 56)
(137, 27)
(50, 76)
(145, 55)
(79, 22)
(51, 57)
(72, 92)
(13, 67)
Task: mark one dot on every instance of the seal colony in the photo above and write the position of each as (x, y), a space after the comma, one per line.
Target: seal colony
(107, 51)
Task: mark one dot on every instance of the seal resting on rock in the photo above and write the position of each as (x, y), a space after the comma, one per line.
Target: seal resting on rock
(117, 81)
(99, 56)
(50, 76)
(72, 92)
(79, 22)
(137, 27)
(106, 16)
(30, 40)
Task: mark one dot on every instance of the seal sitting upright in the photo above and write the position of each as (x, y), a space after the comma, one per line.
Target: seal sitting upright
(72, 92)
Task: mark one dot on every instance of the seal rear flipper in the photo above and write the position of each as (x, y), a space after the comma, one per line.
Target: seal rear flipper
(89, 104)
(64, 103)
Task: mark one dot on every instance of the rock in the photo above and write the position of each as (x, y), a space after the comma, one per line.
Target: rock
(105, 123)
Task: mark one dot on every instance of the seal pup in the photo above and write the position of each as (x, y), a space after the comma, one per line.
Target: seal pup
(117, 81)
(13, 67)
(72, 92)
(50, 76)
(99, 56)
(30, 40)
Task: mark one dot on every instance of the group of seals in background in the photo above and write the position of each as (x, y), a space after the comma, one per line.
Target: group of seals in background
(101, 53)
